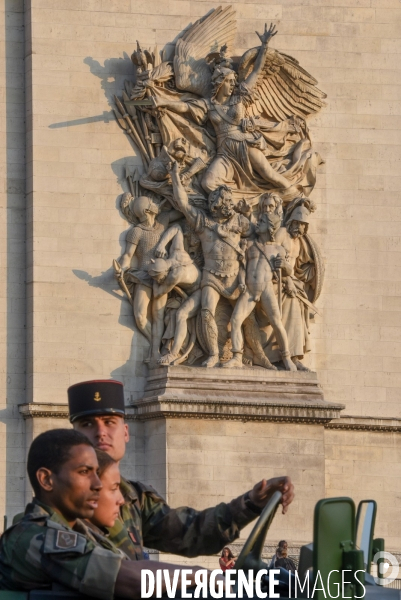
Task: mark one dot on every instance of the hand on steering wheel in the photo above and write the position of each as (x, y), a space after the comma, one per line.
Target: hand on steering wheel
(251, 554)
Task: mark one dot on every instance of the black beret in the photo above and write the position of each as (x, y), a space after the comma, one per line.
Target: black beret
(99, 397)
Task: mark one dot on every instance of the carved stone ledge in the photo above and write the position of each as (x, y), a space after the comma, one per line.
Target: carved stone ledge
(56, 411)
(365, 424)
(43, 410)
(249, 394)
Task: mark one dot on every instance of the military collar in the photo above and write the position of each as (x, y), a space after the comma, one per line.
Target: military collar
(94, 528)
(37, 510)
(128, 490)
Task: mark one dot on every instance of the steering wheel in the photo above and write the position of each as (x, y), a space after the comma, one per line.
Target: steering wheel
(251, 554)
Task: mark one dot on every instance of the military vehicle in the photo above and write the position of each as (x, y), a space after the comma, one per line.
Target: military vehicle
(343, 543)
(338, 562)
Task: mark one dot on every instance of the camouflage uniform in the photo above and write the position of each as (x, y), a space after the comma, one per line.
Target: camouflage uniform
(42, 549)
(148, 521)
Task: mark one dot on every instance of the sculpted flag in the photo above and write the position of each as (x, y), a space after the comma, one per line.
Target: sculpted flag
(234, 130)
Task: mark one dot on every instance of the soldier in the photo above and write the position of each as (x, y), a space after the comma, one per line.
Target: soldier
(97, 410)
(51, 544)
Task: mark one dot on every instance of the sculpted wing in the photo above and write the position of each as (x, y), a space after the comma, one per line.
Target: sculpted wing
(207, 35)
(284, 87)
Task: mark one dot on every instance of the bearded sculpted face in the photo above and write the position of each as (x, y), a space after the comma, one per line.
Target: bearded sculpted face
(179, 151)
(297, 229)
(221, 204)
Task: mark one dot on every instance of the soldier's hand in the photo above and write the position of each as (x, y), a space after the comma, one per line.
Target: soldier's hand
(263, 491)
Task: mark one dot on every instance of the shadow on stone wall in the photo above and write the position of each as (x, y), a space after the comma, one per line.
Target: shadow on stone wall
(14, 266)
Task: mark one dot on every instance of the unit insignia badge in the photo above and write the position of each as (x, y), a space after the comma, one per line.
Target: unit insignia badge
(66, 539)
(97, 397)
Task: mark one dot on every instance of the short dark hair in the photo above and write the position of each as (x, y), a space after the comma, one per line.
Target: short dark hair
(104, 460)
(50, 450)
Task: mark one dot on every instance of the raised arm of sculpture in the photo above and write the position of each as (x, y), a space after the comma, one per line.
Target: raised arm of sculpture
(176, 106)
(252, 79)
(180, 195)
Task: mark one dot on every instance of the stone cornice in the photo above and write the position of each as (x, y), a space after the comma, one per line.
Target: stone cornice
(43, 410)
(234, 410)
(365, 424)
(35, 410)
(248, 394)
(278, 412)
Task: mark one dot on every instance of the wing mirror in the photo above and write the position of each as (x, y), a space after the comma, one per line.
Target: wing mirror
(365, 526)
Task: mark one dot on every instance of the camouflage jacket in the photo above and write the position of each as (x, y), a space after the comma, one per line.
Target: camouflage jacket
(146, 520)
(42, 549)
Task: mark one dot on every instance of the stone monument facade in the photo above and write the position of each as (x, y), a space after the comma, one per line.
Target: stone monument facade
(197, 165)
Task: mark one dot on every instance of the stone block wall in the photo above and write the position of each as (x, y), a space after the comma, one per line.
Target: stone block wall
(368, 464)
(12, 253)
(211, 461)
(78, 58)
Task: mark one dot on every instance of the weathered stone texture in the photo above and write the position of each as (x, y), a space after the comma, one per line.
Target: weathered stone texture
(12, 253)
(213, 461)
(366, 464)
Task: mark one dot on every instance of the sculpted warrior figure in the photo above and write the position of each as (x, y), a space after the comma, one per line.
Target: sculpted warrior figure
(171, 270)
(261, 265)
(303, 284)
(220, 233)
(157, 178)
(141, 241)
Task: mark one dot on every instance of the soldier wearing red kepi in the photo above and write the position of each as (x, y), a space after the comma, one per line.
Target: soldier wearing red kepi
(97, 409)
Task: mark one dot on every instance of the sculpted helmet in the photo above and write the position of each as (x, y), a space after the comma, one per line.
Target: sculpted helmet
(158, 266)
(300, 213)
(220, 74)
(143, 204)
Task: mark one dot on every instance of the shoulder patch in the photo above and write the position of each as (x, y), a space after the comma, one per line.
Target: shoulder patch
(66, 539)
(60, 540)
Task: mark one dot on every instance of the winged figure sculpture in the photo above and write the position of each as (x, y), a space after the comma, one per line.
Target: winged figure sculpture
(237, 124)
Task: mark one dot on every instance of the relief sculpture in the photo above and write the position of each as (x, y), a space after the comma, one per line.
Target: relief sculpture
(219, 266)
